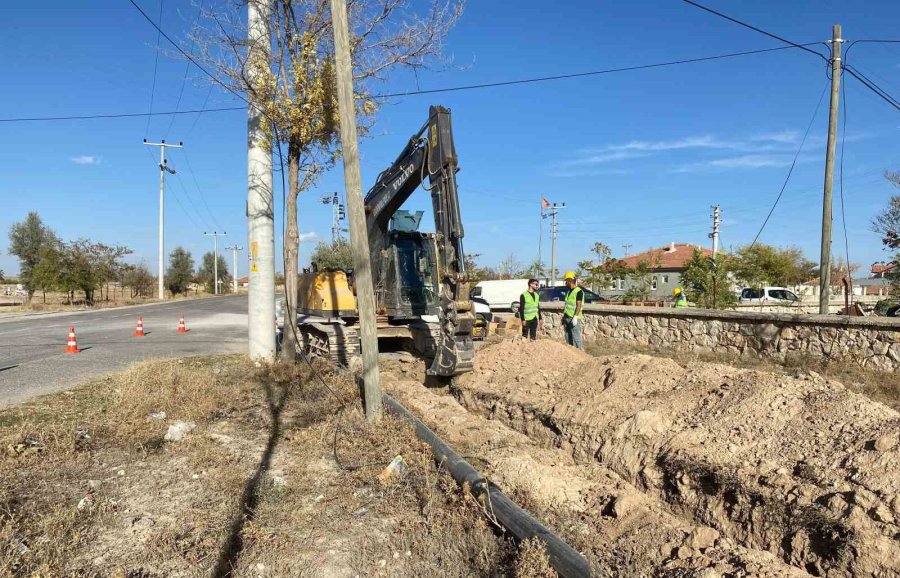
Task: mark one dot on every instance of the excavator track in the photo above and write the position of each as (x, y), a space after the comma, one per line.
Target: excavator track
(334, 341)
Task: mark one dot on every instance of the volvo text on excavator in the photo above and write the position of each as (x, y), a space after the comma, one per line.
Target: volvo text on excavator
(421, 293)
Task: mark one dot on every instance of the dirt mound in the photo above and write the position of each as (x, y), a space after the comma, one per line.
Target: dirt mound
(800, 467)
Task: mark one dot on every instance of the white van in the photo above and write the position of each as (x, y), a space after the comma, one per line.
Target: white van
(772, 295)
(500, 295)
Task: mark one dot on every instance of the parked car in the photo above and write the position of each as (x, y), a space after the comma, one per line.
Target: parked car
(499, 294)
(887, 308)
(774, 295)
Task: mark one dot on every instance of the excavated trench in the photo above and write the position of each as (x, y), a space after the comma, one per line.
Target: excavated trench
(798, 467)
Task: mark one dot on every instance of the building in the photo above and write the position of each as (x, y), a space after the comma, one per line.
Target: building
(666, 265)
(244, 282)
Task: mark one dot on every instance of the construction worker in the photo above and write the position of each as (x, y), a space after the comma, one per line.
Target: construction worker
(680, 299)
(572, 316)
(530, 307)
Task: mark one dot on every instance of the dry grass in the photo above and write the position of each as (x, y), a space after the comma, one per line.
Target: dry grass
(881, 386)
(255, 489)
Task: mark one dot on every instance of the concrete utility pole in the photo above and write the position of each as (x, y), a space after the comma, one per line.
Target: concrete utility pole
(260, 199)
(359, 238)
(234, 272)
(554, 209)
(825, 257)
(715, 231)
(215, 237)
(626, 246)
(163, 169)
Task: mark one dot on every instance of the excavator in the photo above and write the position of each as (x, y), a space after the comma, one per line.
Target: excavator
(421, 289)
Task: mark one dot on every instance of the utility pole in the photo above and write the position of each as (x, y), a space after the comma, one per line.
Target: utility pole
(215, 237)
(260, 198)
(234, 274)
(163, 169)
(715, 249)
(337, 215)
(825, 257)
(359, 238)
(715, 231)
(554, 209)
(626, 246)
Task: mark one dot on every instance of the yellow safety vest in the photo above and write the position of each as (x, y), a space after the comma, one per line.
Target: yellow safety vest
(531, 305)
(572, 303)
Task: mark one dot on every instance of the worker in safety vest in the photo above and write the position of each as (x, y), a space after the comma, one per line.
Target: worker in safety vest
(572, 316)
(530, 308)
(680, 299)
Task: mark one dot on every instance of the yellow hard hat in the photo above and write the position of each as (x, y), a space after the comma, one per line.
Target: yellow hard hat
(676, 291)
(569, 275)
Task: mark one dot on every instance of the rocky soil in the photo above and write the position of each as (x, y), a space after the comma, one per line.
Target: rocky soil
(707, 469)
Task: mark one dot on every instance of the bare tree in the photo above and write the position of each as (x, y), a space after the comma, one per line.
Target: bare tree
(298, 80)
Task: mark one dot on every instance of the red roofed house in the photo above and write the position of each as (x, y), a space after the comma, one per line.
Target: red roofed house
(666, 263)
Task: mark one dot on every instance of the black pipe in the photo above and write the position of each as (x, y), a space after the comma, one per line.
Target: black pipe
(567, 562)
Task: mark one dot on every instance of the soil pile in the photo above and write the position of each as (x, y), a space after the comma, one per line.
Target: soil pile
(796, 466)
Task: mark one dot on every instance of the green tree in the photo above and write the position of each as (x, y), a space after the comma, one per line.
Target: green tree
(887, 224)
(759, 265)
(46, 275)
(140, 281)
(641, 276)
(180, 272)
(335, 255)
(206, 273)
(703, 277)
(26, 239)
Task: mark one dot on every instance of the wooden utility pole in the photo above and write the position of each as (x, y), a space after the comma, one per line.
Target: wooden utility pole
(825, 258)
(359, 238)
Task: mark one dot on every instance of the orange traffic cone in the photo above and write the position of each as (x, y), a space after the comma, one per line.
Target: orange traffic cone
(72, 347)
(139, 332)
(181, 327)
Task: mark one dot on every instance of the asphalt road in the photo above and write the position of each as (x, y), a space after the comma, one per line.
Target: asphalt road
(32, 361)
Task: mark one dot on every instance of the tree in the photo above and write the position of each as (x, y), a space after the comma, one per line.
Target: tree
(537, 269)
(108, 262)
(206, 273)
(759, 265)
(641, 281)
(887, 224)
(25, 240)
(180, 271)
(510, 268)
(475, 272)
(139, 279)
(296, 86)
(46, 275)
(334, 255)
(703, 277)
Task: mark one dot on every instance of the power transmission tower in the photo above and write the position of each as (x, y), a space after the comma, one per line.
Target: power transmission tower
(626, 246)
(234, 273)
(359, 238)
(825, 257)
(163, 169)
(553, 211)
(260, 198)
(215, 237)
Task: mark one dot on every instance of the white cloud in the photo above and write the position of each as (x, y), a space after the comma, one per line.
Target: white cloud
(311, 236)
(86, 160)
(605, 157)
(751, 161)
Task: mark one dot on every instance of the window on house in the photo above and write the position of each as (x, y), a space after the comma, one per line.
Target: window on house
(653, 284)
(665, 279)
(621, 284)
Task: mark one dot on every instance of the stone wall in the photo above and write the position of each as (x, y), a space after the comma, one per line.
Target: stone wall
(872, 342)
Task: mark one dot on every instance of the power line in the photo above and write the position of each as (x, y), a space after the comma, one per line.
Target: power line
(119, 115)
(155, 68)
(203, 109)
(793, 164)
(199, 190)
(756, 29)
(841, 177)
(872, 86)
(187, 66)
(592, 73)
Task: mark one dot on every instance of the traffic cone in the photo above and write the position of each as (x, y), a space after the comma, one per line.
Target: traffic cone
(181, 327)
(139, 332)
(72, 347)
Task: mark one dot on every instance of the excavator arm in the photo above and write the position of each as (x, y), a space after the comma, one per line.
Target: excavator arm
(431, 152)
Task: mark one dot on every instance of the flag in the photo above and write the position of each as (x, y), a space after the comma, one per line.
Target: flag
(545, 204)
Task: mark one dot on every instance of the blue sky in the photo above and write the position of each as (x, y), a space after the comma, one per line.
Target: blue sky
(638, 157)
